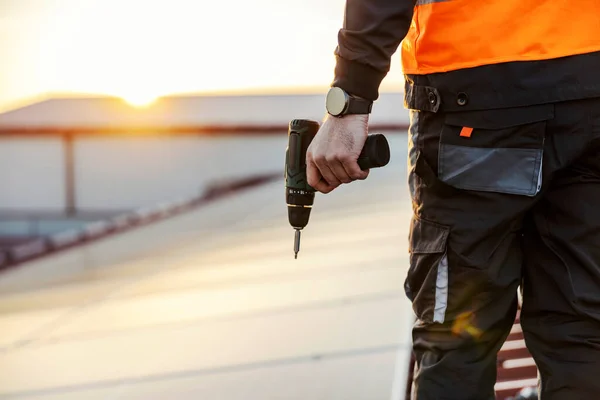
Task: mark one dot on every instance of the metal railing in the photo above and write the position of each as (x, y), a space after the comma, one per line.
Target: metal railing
(121, 222)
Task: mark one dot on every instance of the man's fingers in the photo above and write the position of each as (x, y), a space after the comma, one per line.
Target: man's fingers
(334, 170)
(313, 175)
(337, 168)
(323, 187)
(353, 170)
(326, 171)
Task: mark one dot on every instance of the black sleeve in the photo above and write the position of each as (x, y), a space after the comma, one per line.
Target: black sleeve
(371, 34)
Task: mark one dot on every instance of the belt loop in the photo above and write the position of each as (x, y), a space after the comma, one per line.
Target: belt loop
(422, 98)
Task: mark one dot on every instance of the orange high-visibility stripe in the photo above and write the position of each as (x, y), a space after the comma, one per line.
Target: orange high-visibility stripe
(455, 34)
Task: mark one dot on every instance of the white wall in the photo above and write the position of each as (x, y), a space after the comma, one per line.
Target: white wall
(117, 173)
(121, 173)
(31, 173)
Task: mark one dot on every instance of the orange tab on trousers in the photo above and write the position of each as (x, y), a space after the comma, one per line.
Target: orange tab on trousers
(466, 132)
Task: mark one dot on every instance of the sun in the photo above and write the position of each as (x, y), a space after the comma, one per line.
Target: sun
(140, 99)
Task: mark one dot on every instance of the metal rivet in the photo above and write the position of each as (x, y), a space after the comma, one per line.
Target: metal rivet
(462, 99)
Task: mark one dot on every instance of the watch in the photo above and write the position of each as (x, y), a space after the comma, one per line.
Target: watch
(340, 103)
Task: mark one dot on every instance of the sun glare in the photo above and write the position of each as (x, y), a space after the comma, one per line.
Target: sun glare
(174, 47)
(140, 100)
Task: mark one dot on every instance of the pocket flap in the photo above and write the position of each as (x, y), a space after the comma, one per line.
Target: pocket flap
(427, 236)
(501, 118)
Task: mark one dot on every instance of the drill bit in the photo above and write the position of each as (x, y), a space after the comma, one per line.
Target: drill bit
(296, 243)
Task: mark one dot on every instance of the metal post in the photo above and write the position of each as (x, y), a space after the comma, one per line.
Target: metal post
(69, 152)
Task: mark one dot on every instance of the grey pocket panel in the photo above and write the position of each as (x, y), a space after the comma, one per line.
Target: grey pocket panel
(501, 170)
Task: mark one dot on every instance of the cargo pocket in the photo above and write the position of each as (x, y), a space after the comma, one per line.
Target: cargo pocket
(495, 150)
(426, 284)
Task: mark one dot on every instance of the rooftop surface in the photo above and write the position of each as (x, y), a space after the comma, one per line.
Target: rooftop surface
(212, 305)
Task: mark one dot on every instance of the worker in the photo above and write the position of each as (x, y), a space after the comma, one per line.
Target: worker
(504, 174)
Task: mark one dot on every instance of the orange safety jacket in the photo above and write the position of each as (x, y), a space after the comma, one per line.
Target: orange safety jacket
(447, 35)
(462, 55)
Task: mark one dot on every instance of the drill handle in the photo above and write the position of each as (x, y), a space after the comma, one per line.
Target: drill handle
(375, 153)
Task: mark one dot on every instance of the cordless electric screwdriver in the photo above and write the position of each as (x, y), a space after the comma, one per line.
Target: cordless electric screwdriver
(298, 193)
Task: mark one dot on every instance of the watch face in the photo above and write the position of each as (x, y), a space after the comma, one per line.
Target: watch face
(336, 101)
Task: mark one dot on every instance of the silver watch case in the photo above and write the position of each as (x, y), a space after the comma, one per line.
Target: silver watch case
(337, 101)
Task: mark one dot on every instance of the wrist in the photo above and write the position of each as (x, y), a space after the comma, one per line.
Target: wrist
(352, 119)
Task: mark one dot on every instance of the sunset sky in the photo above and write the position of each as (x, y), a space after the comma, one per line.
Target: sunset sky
(141, 49)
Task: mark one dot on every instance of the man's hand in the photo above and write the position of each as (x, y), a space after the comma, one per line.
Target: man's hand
(331, 158)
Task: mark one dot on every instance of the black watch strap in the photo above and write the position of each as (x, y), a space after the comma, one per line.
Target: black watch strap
(359, 106)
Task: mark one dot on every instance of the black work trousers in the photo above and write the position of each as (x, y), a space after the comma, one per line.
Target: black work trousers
(504, 199)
